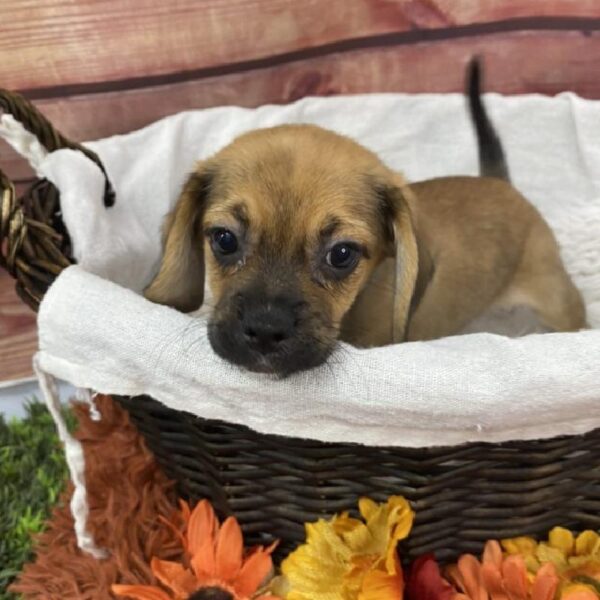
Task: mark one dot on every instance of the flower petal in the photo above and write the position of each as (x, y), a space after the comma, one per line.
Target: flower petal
(492, 554)
(470, 571)
(359, 540)
(520, 545)
(186, 584)
(140, 592)
(202, 524)
(400, 521)
(587, 542)
(562, 539)
(386, 525)
(316, 569)
(545, 583)
(279, 586)
(230, 546)
(492, 579)
(166, 571)
(185, 510)
(203, 560)
(174, 576)
(454, 576)
(401, 515)
(578, 592)
(546, 553)
(425, 581)
(345, 524)
(367, 508)
(514, 574)
(253, 572)
(379, 585)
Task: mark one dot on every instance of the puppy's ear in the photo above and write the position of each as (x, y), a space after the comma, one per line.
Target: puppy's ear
(399, 226)
(180, 279)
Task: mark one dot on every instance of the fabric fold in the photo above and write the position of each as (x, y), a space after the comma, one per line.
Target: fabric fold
(479, 387)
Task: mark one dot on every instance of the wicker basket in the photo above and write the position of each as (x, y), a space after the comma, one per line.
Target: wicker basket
(462, 495)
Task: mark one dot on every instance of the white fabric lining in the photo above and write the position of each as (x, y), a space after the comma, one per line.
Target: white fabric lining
(75, 463)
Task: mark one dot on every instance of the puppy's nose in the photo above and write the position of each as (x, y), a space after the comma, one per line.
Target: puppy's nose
(267, 326)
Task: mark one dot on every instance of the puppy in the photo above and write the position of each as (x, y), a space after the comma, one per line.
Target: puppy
(306, 237)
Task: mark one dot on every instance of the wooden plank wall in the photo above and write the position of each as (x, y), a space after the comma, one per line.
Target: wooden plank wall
(102, 67)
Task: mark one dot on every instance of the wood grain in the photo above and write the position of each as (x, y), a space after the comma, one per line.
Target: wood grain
(496, 10)
(18, 337)
(548, 63)
(58, 43)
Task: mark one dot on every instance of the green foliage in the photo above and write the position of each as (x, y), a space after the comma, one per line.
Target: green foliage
(32, 475)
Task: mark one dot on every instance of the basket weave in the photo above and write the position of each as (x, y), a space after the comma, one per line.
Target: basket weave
(34, 244)
(462, 495)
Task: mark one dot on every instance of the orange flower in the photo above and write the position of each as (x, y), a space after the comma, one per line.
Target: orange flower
(215, 567)
(579, 591)
(498, 577)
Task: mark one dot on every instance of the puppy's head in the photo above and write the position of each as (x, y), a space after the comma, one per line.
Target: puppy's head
(288, 224)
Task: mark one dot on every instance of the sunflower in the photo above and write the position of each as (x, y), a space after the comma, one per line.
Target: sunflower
(350, 559)
(214, 568)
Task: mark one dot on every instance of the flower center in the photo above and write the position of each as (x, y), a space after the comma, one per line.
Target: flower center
(211, 593)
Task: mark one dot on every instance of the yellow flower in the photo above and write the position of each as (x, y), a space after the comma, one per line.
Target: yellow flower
(350, 559)
(577, 560)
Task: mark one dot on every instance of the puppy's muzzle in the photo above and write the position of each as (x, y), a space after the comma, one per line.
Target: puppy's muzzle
(268, 325)
(264, 333)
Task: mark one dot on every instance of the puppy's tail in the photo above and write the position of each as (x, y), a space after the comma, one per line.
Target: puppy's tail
(491, 154)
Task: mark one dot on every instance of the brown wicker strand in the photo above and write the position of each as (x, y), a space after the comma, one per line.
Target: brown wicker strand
(35, 122)
(33, 251)
(34, 243)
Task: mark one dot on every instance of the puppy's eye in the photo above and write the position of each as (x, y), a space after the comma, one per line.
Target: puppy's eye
(343, 256)
(224, 241)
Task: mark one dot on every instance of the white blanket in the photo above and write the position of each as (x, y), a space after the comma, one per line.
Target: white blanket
(97, 334)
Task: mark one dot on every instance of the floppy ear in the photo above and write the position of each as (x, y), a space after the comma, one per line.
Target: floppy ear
(180, 279)
(400, 223)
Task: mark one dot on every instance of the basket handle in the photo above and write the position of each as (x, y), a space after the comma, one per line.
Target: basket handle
(37, 124)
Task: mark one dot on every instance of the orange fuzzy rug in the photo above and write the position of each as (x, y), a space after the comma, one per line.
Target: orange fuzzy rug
(127, 492)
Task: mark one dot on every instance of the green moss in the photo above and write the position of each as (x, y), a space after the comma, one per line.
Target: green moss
(32, 475)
